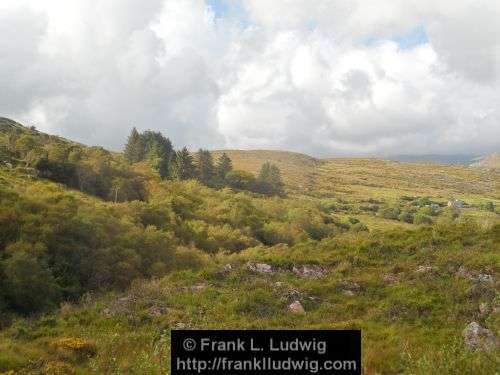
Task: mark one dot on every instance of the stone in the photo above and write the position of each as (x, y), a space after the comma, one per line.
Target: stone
(312, 271)
(198, 287)
(390, 279)
(296, 308)
(479, 338)
(157, 311)
(484, 308)
(425, 269)
(260, 267)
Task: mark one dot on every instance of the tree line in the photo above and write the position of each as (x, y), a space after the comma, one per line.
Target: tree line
(159, 152)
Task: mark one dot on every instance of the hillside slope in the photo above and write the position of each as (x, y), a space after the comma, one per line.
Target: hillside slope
(94, 277)
(298, 170)
(490, 161)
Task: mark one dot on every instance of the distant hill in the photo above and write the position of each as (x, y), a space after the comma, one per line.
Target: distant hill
(489, 161)
(461, 159)
(297, 169)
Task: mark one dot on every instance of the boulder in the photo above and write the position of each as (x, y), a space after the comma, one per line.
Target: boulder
(296, 308)
(426, 269)
(390, 279)
(311, 271)
(479, 338)
(260, 267)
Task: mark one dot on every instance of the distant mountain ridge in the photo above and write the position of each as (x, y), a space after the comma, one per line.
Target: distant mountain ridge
(462, 159)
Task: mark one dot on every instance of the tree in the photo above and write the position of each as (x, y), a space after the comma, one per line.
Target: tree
(58, 152)
(134, 149)
(159, 152)
(223, 167)
(25, 144)
(29, 285)
(205, 167)
(183, 167)
(269, 181)
(240, 180)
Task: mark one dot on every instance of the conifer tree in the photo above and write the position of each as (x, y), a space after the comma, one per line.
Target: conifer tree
(269, 180)
(183, 167)
(159, 152)
(134, 149)
(223, 167)
(205, 167)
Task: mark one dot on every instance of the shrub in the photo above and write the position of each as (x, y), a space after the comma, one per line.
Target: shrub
(359, 227)
(422, 219)
(406, 217)
(389, 213)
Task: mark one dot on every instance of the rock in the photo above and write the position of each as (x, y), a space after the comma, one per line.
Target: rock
(483, 278)
(296, 308)
(350, 286)
(180, 325)
(348, 293)
(479, 338)
(474, 276)
(390, 279)
(279, 284)
(426, 269)
(198, 287)
(157, 311)
(260, 267)
(312, 271)
(484, 308)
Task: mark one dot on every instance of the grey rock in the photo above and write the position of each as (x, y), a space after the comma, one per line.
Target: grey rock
(260, 267)
(479, 338)
(312, 271)
(296, 308)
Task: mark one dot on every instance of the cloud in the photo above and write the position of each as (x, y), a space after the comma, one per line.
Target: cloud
(336, 78)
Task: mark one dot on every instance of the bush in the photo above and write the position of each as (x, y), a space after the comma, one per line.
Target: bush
(359, 227)
(406, 217)
(422, 219)
(389, 213)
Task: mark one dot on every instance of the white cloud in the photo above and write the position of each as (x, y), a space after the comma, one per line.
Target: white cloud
(323, 77)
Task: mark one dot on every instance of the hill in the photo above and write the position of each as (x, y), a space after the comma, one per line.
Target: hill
(297, 169)
(491, 161)
(97, 268)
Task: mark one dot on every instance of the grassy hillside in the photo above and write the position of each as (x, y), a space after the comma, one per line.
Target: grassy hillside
(298, 169)
(94, 284)
(491, 161)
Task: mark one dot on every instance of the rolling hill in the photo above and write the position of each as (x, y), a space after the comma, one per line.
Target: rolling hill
(97, 268)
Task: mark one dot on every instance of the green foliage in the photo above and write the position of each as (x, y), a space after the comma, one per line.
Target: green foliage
(240, 180)
(269, 181)
(389, 213)
(159, 152)
(135, 148)
(223, 167)
(183, 165)
(488, 206)
(29, 285)
(421, 218)
(406, 216)
(205, 167)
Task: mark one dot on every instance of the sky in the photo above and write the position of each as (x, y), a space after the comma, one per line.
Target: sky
(323, 77)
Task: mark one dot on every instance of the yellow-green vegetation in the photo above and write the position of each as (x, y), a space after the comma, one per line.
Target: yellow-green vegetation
(93, 280)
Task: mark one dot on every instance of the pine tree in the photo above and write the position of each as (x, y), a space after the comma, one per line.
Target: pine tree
(223, 167)
(269, 180)
(134, 149)
(159, 152)
(182, 165)
(205, 167)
